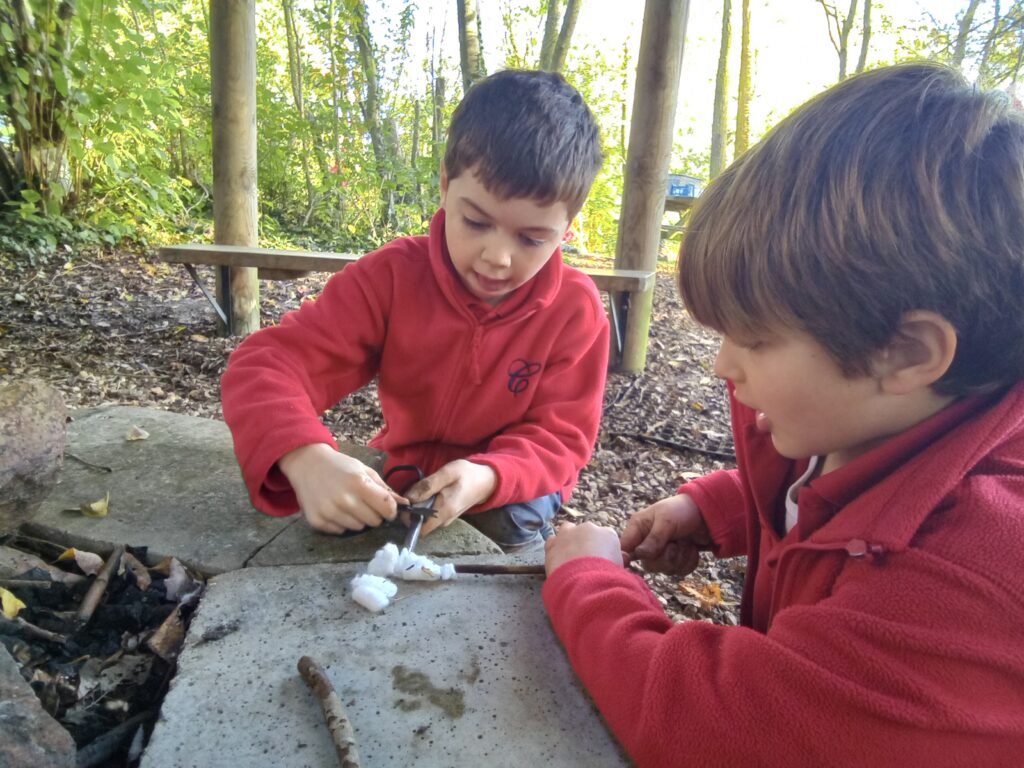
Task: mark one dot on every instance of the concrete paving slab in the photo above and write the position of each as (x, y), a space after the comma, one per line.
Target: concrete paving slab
(179, 492)
(462, 673)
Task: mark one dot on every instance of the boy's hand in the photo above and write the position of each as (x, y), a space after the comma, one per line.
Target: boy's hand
(458, 485)
(337, 493)
(667, 536)
(586, 540)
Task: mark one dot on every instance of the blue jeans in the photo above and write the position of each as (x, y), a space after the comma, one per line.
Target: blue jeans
(518, 525)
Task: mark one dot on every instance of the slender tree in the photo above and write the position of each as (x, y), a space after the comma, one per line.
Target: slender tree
(963, 33)
(865, 37)
(470, 44)
(295, 75)
(547, 46)
(743, 98)
(839, 29)
(720, 113)
(572, 12)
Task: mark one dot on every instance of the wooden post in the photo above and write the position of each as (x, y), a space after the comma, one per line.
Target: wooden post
(233, 75)
(650, 145)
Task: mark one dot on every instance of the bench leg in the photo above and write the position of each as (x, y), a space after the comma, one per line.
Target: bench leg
(618, 322)
(213, 302)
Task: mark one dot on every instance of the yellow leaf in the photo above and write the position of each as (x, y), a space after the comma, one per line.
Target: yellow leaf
(67, 554)
(136, 433)
(98, 508)
(571, 512)
(11, 604)
(198, 337)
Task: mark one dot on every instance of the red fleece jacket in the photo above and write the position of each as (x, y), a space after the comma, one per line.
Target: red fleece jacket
(886, 629)
(517, 386)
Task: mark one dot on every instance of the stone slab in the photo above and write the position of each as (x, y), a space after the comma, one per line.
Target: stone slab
(301, 545)
(179, 492)
(462, 673)
(29, 737)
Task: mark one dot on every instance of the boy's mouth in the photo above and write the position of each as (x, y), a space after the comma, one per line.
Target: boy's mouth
(490, 284)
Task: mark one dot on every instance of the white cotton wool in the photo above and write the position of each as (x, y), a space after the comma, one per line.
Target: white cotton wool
(373, 592)
(383, 563)
(413, 567)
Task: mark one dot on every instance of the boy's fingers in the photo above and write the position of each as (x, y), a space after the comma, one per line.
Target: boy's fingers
(635, 533)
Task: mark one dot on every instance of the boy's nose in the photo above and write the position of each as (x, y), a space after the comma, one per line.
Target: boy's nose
(497, 254)
(725, 367)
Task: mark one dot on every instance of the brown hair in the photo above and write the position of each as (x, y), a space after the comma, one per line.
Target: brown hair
(526, 134)
(898, 189)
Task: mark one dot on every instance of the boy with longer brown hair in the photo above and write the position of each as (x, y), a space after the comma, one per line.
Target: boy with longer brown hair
(490, 352)
(865, 266)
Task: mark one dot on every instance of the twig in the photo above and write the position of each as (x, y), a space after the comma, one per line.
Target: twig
(676, 445)
(21, 627)
(87, 463)
(99, 587)
(33, 583)
(493, 569)
(338, 724)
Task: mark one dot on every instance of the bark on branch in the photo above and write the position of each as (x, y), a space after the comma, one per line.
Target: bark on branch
(338, 724)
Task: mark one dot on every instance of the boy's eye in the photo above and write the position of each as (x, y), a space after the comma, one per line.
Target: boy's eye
(473, 224)
(532, 242)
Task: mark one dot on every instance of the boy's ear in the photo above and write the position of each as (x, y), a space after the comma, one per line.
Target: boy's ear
(918, 355)
(443, 182)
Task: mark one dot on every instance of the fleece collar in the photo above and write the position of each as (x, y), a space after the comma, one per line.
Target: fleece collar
(884, 496)
(536, 294)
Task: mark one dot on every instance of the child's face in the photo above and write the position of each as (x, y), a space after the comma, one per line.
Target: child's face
(497, 245)
(802, 397)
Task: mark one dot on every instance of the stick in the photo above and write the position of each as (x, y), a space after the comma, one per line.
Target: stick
(99, 587)
(675, 445)
(33, 583)
(104, 746)
(338, 724)
(21, 627)
(492, 569)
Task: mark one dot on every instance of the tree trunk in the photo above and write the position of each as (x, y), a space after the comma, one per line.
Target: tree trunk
(866, 37)
(839, 30)
(371, 110)
(339, 209)
(470, 45)
(295, 75)
(572, 13)
(547, 46)
(986, 50)
(720, 113)
(744, 95)
(964, 32)
(233, 81)
(650, 146)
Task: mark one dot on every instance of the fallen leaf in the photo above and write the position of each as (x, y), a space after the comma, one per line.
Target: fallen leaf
(198, 337)
(571, 512)
(11, 604)
(709, 595)
(138, 570)
(136, 433)
(89, 562)
(98, 508)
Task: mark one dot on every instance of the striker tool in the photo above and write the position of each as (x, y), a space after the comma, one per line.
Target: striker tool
(418, 511)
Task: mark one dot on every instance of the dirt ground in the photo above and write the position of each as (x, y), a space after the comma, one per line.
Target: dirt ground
(122, 328)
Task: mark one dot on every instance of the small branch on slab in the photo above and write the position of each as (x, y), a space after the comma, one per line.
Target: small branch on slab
(338, 724)
(99, 586)
(33, 583)
(89, 464)
(493, 569)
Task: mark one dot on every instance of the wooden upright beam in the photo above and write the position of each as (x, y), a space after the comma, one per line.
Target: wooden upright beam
(233, 76)
(650, 145)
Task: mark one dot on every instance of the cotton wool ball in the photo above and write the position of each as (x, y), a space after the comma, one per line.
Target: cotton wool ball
(373, 592)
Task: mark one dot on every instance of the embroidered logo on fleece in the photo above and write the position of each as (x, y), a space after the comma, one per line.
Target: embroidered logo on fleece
(519, 373)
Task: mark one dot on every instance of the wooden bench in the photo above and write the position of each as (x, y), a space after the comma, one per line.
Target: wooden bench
(277, 264)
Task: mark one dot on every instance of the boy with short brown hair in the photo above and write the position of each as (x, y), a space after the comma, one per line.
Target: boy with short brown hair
(865, 266)
(490, 352)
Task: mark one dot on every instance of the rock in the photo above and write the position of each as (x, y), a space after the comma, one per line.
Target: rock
(32, 417)
(29, 737)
